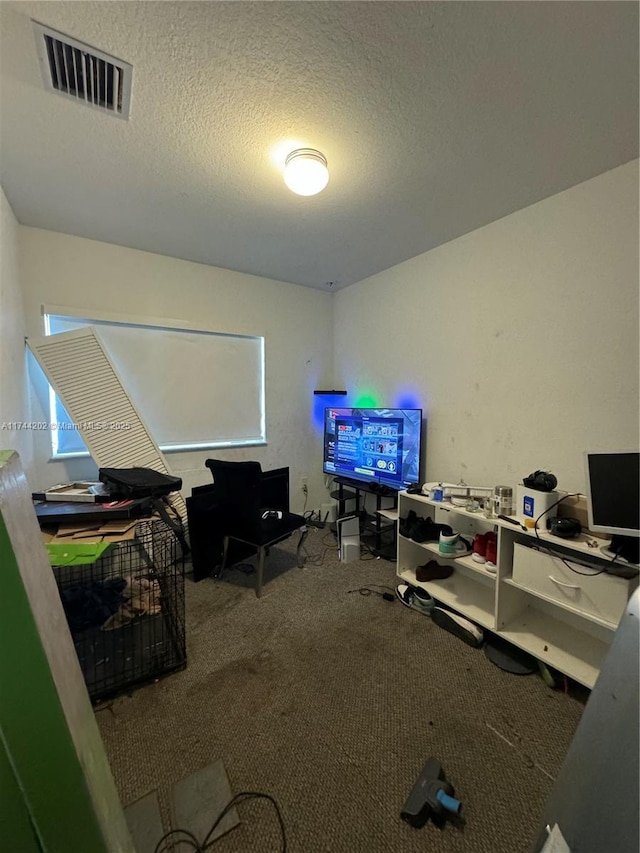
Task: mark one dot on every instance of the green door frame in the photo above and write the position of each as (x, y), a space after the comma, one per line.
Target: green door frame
(53, 766)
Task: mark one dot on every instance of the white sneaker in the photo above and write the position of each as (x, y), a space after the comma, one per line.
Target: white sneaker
(458, 626)
(404, 593)
(454, 546)
(415, 597)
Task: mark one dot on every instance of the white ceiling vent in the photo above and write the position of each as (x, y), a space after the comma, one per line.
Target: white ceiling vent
(81, 72)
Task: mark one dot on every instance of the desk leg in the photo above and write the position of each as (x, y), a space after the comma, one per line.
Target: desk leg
(224, 554)
(259, 577)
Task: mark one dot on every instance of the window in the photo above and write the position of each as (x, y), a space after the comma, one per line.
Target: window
(195, 389)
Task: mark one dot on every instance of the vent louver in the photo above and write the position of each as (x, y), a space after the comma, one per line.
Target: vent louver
(81, 72)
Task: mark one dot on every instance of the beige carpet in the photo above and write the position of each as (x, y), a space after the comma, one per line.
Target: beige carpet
(332, 702)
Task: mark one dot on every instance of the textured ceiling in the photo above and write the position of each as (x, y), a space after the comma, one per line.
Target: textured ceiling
(436, 118)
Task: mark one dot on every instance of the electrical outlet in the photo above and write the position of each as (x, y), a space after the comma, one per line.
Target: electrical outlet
(303, 485)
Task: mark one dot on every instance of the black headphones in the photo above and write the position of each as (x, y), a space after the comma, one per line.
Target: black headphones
(565, 528)
(541, 481)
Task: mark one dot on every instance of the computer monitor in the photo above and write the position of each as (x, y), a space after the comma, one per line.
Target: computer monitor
(613, 499)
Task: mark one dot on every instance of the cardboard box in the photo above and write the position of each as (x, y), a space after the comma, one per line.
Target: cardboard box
(82, 492)
(576, 507)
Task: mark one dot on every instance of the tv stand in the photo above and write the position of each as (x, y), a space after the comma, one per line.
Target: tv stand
(379, 528)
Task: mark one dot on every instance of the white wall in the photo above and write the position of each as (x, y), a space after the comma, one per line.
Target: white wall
(73, 272)
(520, 339)
(14, 397)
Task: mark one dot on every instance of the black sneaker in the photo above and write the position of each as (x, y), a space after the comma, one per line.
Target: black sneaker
(422, 530)
(406, 525)
(458, 626)
(429, 531)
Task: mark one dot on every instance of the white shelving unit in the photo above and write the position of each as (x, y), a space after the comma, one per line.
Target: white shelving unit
(538, 599)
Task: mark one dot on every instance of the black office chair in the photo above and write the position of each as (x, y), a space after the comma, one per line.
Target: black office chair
(243, 517)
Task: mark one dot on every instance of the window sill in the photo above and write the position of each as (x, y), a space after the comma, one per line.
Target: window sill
(173, 448)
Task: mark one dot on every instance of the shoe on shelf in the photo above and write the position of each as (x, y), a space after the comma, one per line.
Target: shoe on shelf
(429, 531)
(491, 553)
(452, 545)
(413, 596)
(406, 525)
(458, 626)
(433, 571)
(479, 548)
(422, 530)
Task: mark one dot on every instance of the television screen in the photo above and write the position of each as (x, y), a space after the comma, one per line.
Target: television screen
(373, 445)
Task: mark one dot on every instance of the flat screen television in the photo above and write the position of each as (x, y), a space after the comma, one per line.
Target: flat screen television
(379, 446)
(613, 500)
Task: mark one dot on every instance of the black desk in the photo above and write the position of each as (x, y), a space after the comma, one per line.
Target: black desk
(264, 533)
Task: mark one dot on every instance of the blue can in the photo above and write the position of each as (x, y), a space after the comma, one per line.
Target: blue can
(438, 494)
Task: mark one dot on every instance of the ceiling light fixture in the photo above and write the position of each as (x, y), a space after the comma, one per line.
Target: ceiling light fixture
(305, 171)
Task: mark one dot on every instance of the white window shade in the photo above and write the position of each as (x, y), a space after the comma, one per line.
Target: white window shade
(81, 373)
(195, 389)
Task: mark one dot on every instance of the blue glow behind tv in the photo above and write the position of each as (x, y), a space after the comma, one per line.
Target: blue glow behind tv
(373, 445)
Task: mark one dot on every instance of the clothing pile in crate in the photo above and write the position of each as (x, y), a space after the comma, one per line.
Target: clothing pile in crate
(120, 600)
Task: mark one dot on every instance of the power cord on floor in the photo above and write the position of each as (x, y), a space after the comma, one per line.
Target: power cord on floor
(366, 590)
(366, 553)
(189, 838)
(330, 544)
(171, 836)
(315, 559)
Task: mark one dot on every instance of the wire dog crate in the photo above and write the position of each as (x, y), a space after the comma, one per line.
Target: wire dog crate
(126, 611)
